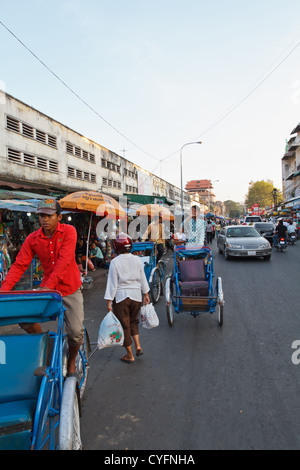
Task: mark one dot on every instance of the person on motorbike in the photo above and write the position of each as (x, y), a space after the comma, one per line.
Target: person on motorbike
(280, 232)
(291, 230)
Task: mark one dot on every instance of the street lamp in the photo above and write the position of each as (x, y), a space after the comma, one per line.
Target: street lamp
(188, 143)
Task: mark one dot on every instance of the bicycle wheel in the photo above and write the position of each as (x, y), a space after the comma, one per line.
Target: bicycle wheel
(81, 362)
(162, 272)
(155, 286)
(82, 365)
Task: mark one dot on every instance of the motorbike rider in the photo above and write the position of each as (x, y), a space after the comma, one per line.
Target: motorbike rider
(291, 229)
(280, 232)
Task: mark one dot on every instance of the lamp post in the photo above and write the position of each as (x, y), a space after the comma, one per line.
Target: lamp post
(181, 185)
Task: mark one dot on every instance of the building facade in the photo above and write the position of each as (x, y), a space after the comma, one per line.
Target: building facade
(291, 170)
(39, 152)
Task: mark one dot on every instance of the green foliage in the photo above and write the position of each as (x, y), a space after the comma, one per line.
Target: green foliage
(233, 209)
(261, 193)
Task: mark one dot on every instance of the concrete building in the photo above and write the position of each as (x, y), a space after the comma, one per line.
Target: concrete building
(202, 191)
(40, 153)
(291, 170)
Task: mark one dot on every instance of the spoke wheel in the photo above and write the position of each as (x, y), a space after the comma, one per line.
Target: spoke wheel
(155, 286)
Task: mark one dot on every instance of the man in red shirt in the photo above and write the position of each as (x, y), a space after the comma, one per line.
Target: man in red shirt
(54, 244)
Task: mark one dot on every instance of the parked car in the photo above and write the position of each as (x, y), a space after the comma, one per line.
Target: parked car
(266, 229)
(243, 240)
(252, 218)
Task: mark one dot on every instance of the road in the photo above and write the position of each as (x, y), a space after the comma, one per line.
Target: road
(198, 385)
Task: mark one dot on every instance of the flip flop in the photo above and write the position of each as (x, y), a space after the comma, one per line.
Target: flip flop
(139, 352)
(123, 359)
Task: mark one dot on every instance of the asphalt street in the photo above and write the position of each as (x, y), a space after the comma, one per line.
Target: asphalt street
(198, 385)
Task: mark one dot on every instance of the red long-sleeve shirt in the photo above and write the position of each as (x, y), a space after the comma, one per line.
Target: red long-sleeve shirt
(57, 256)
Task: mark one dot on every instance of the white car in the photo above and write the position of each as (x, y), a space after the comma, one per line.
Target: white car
(252, 218)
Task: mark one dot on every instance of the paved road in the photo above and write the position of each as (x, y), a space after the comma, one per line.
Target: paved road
(200, 386)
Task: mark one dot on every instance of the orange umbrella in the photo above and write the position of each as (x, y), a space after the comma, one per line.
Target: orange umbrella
(155, 210)
(92, 201)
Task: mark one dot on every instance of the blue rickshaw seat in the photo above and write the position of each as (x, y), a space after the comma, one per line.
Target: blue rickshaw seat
(20, 387)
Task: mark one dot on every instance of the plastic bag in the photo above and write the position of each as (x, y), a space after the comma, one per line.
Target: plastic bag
(149, 318)
(110, 332)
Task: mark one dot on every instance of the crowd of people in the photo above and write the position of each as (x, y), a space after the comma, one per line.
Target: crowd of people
(54, 243)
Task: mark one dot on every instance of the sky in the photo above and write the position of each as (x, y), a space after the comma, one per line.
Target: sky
(143, 78)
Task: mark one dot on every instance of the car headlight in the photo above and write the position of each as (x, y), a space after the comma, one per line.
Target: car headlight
(265, 245)
(232, 245)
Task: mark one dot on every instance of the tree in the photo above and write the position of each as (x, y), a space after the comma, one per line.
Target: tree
(261, 193)
(233, 209)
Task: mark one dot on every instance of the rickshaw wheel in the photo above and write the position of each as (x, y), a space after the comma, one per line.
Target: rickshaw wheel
(155, 286)
(220, 310)
(82, 366)
(69, 426)
(170, 313)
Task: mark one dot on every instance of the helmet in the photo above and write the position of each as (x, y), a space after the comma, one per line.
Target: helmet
(122, 243)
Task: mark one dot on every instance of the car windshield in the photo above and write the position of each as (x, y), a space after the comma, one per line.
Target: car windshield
(253, 219)
(264, 226)
(236, 232)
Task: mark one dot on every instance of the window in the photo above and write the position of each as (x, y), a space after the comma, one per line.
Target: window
(14, 156)
(34, 161)
(52, 141)
(27, 131)
(110, 166)
(70, 148)
(13, 124)
(80, 153)
(41, 136)
(81, 175)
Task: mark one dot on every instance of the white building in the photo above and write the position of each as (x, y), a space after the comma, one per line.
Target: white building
(37, 151)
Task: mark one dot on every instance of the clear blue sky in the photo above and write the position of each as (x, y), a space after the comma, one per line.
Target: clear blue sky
(163, 73)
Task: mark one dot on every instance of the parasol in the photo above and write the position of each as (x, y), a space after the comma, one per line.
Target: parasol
(95, 203)
(154, 210)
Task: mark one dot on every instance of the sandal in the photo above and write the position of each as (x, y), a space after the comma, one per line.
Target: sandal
(124, 359)
(139, 352)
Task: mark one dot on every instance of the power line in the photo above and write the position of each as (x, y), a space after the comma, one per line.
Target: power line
(212, 126)
(224, 116)
(76, 94)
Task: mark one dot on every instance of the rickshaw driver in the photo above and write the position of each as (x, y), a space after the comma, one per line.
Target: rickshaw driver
(156, 234)
(54, 244)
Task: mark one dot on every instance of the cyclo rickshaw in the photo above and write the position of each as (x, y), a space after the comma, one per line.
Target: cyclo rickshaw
(39, 402)
(154, 272)
(191, 288)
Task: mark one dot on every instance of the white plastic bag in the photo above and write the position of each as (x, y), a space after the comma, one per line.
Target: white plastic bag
(110, 332)
(149, 318)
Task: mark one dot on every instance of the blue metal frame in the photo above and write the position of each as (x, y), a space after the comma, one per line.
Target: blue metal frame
(183, 252)
(42, 306)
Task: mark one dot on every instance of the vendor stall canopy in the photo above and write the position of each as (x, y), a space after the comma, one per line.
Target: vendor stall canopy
(95, 202)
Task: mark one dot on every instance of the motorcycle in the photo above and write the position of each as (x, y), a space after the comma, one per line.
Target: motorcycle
(292, 238)
(281, 244)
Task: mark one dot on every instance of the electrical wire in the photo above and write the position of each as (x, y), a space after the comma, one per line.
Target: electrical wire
(212, 126)
(76, 94)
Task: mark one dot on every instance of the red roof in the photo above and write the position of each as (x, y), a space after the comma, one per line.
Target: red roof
(195, 185)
